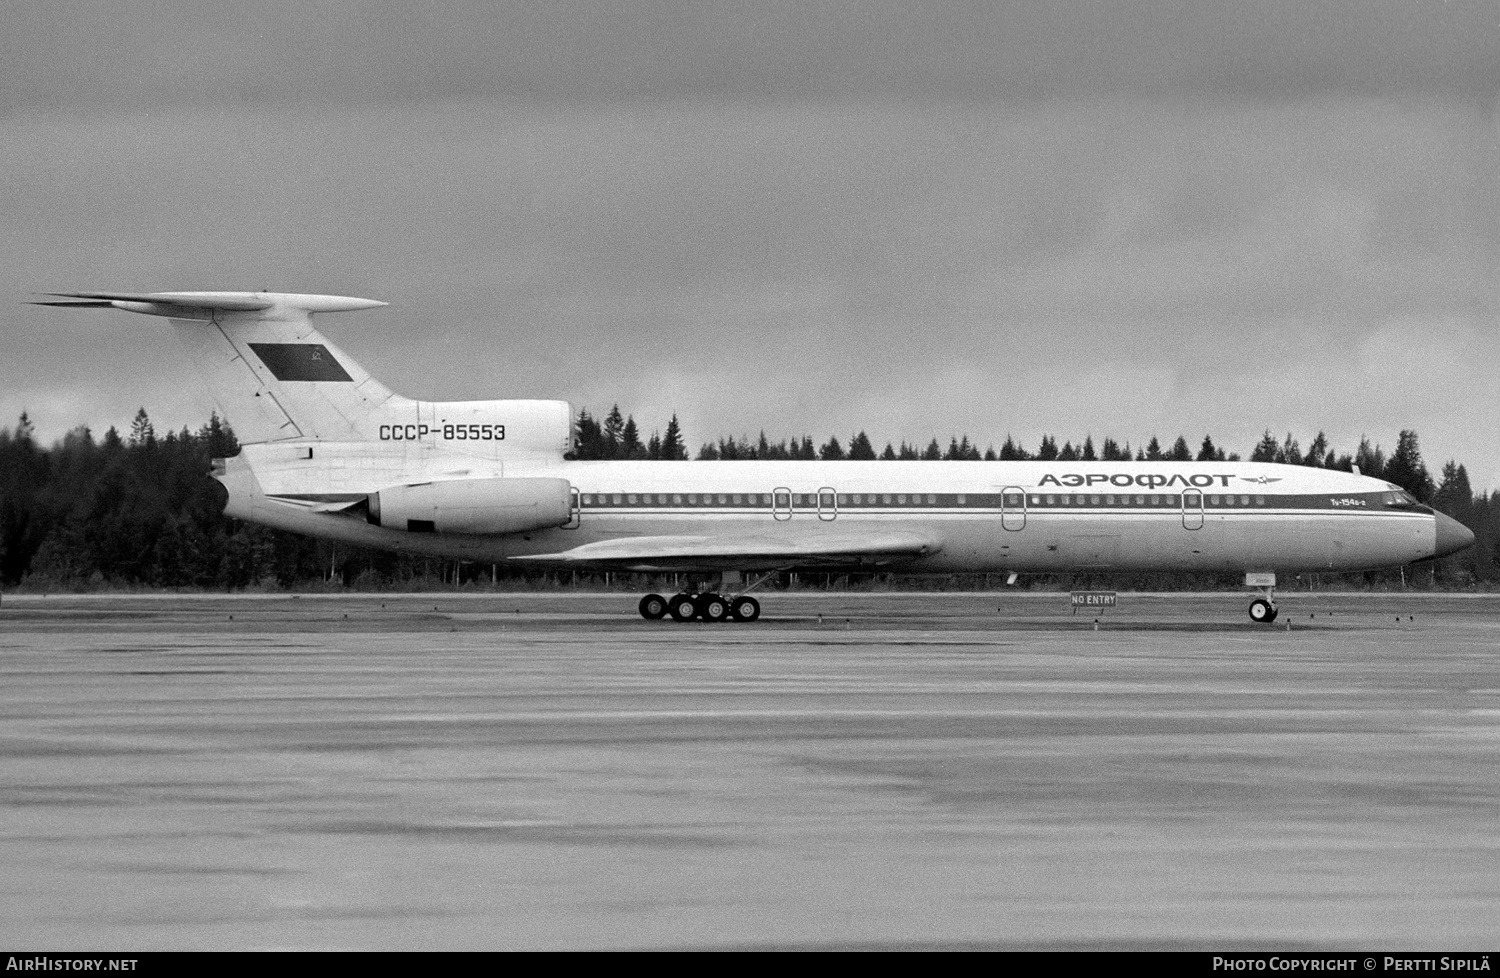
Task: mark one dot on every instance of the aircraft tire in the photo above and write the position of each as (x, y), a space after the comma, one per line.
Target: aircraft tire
(1262, 611)
(653, 607)
(682, 607)
(712, 607)
(744, 608)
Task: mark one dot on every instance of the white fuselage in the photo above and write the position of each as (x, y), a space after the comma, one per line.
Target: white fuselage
(977, 516)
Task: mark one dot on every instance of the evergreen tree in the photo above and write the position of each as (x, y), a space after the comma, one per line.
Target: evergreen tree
(934, 452)
(1208, 453)
(1067, 453)
(1370, 459)
(889, 455)
(831, 451)
(1454, 495)
(1180, 451)
(591, 443)
(141, 430)
(672, 449)
(1318, 452)
(1406, 468)
(860, 448)
(1048, 450)
(630, 441)
(1087, 453)
(614, 433)
(1153, 452)
(1266, 449)
(218, 438)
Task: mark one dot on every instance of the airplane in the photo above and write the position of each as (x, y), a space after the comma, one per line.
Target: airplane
(329, 451)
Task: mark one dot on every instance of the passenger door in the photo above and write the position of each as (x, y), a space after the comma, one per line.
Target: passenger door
(828, 504)
(1192, 509)
(1013, 508)
(781, 503)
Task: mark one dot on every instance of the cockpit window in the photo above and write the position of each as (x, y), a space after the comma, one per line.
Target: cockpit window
(1400, 500)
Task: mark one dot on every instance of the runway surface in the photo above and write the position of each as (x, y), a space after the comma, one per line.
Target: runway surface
(913, 770)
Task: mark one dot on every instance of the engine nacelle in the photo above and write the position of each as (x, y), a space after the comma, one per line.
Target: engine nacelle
(489, 506)
(496, 428)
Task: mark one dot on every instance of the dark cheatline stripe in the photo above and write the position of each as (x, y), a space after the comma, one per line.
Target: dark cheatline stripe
(978, 503)
(300, 361)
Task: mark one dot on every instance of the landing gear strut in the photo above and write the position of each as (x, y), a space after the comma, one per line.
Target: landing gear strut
(702, 604)
(1263, 608)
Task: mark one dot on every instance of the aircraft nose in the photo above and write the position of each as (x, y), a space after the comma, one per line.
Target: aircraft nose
(1452, 536)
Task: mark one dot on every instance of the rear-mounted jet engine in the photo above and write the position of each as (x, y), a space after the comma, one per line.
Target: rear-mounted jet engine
(474, 506)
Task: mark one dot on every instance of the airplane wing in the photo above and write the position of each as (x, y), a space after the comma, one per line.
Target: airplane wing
(698, 553)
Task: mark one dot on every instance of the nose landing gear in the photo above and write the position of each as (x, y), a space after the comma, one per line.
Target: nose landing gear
(1263, 608)
(1262, 611)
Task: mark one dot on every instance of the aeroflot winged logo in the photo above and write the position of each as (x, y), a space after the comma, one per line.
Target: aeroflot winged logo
(1153, 480)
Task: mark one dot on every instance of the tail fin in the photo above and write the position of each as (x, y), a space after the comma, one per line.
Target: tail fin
(271, 373)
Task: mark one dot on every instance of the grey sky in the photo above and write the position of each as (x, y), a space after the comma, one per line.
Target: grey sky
(924, 220)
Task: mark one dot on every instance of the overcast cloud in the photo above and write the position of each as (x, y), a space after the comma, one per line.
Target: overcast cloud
(1130, 219)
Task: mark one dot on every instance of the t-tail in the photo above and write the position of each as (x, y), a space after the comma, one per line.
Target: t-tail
(277, 379)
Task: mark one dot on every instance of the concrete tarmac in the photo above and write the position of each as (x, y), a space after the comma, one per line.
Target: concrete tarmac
(910, 770)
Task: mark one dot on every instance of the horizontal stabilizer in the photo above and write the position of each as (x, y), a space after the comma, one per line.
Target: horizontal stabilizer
(184, 304)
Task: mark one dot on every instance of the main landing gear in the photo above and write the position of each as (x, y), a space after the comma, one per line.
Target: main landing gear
(700, 603)
(1263, 608)
(691, 606)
